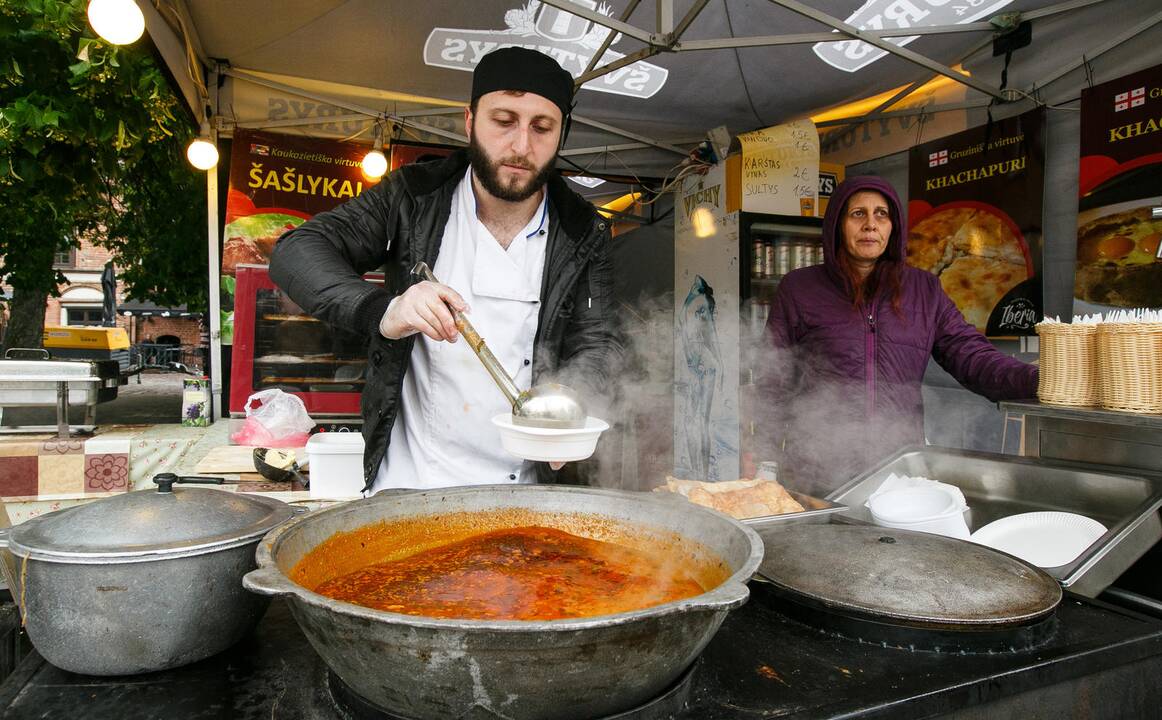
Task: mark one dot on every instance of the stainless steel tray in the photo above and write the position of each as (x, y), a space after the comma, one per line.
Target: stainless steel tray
(816, 510)
(997, 486)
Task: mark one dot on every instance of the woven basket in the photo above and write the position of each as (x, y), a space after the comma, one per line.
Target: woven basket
(1069, 365)
(1130, 355)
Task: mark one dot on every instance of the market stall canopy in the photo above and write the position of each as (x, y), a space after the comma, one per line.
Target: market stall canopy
(671, 70)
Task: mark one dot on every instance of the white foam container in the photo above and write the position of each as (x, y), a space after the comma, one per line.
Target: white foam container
(336, 469)
(549, 444)
(923, 509)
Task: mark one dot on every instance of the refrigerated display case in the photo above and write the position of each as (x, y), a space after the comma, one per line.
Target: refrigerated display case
(277, 345)
(728, 264)
(774, 245)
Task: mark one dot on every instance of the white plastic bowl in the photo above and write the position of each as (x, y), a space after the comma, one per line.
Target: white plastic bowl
(549, 444)
(923, 509)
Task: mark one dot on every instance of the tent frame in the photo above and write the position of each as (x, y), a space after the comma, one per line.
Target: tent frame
(182, 49)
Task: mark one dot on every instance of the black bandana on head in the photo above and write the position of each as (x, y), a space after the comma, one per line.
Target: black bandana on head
(517, 68)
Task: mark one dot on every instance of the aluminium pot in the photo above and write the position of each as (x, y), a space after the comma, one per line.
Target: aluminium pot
(433, 668)
(143, 581)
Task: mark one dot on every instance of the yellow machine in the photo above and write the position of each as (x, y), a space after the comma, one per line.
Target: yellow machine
(86, 342)
(86, 337)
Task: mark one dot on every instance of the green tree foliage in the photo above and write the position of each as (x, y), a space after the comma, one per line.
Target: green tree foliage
(91, 144)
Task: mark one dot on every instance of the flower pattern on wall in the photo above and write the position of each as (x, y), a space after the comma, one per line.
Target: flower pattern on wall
(106, 472)
(62, 447)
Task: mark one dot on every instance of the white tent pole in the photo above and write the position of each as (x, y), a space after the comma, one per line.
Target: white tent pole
(370, 112)
(213, 222)
(927, 110)
(1102, 49)
(664, 16)
(686, 20)
(353, 117)
(631, 135)
(609, 38)
(596, 149)
(242, 75)
(906, 54)
(880, 110)
(616, 64)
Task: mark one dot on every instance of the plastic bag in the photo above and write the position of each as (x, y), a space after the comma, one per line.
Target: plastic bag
(278, 420)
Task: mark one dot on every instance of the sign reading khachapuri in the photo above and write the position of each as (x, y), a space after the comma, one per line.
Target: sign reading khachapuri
(1119, 219)
(974, 217)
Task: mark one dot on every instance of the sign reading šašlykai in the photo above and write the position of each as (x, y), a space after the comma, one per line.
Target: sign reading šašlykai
(277, 182)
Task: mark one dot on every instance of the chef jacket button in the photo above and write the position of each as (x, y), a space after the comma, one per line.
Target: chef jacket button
(377, 357)
(527, 361)
(512, 477)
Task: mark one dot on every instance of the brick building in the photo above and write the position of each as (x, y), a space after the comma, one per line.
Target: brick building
(81, 300)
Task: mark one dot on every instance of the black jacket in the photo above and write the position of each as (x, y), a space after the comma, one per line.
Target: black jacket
(401, 221)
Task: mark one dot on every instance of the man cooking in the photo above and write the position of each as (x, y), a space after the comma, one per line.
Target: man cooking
(511, 245)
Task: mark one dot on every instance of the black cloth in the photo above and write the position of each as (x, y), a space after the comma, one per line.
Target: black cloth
(401, 221)
(517, 68)
(109, 295)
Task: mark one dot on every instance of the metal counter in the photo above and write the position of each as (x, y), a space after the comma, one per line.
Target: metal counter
(1089, 435)
(996, 486)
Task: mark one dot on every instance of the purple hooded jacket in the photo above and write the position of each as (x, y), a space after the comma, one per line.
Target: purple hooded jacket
(844, 383)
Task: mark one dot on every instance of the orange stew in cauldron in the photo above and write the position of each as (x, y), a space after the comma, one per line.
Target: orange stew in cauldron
(527, 572)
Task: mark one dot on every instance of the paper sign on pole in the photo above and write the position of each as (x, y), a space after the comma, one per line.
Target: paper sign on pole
(780, 169)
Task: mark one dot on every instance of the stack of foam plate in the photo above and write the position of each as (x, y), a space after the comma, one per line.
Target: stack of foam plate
(1045, 539)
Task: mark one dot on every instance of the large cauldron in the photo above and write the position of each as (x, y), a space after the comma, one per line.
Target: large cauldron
(141, 581)
(423, 667)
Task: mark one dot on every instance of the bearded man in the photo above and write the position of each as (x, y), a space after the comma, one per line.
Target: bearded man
(514, 247)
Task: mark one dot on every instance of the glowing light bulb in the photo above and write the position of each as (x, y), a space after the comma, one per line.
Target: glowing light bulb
(374, 164)
(117, 21)
(202, 154)
(703, 221)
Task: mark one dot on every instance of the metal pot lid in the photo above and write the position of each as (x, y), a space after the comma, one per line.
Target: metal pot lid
(914, 578)
(148, 525)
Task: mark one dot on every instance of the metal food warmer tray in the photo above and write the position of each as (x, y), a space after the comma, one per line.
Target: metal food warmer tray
(45, 382)
(997, 486)
(815, 511)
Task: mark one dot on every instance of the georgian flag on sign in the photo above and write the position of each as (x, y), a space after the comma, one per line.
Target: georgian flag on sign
(938, 158)
(1131, 99)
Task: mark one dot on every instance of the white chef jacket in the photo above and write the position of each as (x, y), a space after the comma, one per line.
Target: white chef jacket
(443, 434)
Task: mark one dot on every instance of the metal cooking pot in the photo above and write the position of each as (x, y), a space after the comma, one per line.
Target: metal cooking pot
(423, 667)
(144, 581)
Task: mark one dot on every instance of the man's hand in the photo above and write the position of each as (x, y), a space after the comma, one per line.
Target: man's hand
(556, 465)
(423, 308)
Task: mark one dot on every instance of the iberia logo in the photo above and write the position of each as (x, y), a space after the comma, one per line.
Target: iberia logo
(1131, 99)
(938, 158)
(567, 38)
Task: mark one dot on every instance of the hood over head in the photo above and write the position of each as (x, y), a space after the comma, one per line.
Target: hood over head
(833, 221)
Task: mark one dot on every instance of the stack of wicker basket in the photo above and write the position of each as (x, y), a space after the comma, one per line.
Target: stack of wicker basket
(1069, 364)
(1130, 358)
(1117, 365)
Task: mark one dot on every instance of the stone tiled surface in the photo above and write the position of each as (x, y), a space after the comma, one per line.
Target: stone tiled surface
(44, 467)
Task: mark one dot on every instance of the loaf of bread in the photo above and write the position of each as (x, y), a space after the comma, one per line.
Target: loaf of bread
(738, 498)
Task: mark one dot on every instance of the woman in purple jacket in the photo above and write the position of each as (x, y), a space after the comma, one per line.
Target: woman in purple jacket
(852, 338)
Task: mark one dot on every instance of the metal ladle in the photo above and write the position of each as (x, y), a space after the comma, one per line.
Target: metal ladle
(548, 405)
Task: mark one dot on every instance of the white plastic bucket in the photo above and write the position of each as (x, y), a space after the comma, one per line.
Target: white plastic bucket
(923, 509)
(336, 464)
